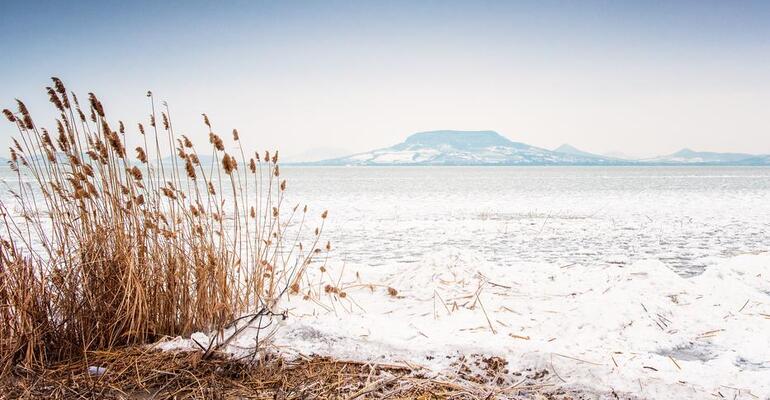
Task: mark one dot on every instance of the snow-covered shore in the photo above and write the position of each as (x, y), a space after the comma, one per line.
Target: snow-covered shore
(639, 330)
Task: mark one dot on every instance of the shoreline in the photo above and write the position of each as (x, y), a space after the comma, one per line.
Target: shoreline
(639, 329)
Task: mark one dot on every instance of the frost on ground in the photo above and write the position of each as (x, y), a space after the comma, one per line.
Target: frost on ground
(640, 330)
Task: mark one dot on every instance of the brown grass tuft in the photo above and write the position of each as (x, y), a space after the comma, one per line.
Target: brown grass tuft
(101, 251)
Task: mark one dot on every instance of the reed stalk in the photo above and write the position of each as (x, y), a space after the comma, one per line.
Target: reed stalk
(100, 248)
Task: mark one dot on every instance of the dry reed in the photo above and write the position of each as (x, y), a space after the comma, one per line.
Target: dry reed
(136, 373)
(101, 250)
(141, 373)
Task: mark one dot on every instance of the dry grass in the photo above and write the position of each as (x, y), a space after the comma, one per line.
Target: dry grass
(103, 249)
(137, 373)
(140, 373)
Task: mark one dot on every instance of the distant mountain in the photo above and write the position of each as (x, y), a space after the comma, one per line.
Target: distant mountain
(571, 150)
(755, 160)
(623, 156)
(449, 147)
(688, 156)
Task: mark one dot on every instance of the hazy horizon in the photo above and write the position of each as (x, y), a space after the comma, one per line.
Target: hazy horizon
(641, 79)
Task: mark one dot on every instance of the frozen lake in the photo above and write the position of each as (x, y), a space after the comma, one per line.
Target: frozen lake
(682, 216)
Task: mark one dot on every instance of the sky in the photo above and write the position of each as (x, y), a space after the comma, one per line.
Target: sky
(334, 77)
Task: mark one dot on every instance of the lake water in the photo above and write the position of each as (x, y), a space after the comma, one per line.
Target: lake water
(683, 216)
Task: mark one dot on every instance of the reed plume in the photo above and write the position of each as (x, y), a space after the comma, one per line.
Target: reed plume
(102, 251)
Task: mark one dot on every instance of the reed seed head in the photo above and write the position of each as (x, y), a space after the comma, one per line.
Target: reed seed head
(135, 173)
(189, 168)
(62, 140)
(46, 138)
(22, 107)
(25, 117)
(75, 162)
(96, 104)
(140, 155)
(54, 98)
(168, 193)
(9, 115)
(57, 83)
(216, 141)
(114, 140)
(229, 164)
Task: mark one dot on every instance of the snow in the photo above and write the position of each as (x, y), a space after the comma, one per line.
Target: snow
(639, 329)
(683, 216)
(648, 281)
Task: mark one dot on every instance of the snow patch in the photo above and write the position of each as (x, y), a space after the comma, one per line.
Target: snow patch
(639, 329)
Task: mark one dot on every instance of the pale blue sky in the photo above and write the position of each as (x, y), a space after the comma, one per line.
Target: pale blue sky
(642, 78)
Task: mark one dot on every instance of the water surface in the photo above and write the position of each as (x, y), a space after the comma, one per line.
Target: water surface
(683, 216)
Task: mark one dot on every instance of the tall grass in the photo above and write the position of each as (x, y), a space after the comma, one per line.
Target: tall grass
(106, 247)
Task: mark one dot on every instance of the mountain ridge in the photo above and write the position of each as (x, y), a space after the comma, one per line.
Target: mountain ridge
(567, 148)
(487, 147)
(454, 147)
(689, 156)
